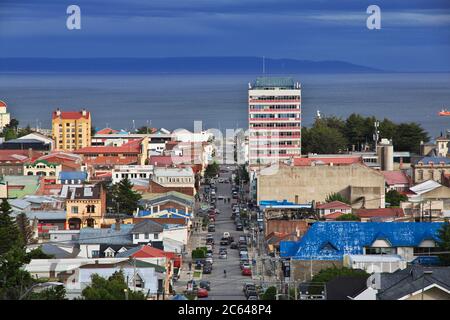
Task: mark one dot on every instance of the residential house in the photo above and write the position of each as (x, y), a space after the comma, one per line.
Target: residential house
(324, 209)
(430, 168)
(396, 180)
(148, 231)
(413, 283)
(72, 177)
(326, 243)
(47, 170)
(380, 214)
(132, 173)
(85, 205)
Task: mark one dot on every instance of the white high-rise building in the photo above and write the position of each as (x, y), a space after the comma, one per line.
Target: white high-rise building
(274, 108)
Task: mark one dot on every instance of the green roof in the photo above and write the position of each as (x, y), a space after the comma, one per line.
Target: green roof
(274, 82)
(143, 264)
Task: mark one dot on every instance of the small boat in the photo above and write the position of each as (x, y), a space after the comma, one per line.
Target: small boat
(444, 113)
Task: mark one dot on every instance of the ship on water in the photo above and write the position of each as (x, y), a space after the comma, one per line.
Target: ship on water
(444, 113)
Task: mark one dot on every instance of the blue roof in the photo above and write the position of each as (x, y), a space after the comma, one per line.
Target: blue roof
(331, 240)
(73, 175)
(180, 213)
(435, 160)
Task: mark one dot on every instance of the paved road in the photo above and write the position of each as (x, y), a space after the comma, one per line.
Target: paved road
(229, 288)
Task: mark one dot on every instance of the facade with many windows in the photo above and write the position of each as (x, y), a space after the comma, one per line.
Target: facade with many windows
(274, 108)
(71, 130)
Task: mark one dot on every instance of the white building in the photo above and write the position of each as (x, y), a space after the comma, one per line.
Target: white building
(372, 263)
(4, 115)
(274, 120)
(184, 135)
(132, 172)
(174, 177)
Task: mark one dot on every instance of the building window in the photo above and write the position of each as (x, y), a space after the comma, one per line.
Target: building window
(147, 236)
(155, 236)
(74, 210)
(136, 236)
(420, 175)
(426, 251)
(373, 250)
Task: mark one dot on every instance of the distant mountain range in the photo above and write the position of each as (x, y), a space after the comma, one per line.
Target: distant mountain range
(194, 65)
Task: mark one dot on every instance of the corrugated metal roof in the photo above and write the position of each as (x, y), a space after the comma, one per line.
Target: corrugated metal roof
(352, 237)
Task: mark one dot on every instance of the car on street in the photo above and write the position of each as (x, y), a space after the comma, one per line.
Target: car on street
(244, 264)
(239, 227)
(209, 241)
(207, 268)
(223, 255)
(209, 260)
(253, 297)
(243, 253)
(212, 228)
(205, 285)
(226, 234)
(220, 180)
(243, 240)
(246, 272)
(233, 245)
(220, 197)
(202, 293)
(224, 241)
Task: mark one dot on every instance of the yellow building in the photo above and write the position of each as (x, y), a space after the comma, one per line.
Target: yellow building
(71, 130)
(85, 206)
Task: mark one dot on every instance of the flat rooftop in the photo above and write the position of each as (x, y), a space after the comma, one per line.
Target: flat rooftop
(274, 82)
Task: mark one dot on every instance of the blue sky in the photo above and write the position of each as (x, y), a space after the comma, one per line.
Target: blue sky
(415, 34)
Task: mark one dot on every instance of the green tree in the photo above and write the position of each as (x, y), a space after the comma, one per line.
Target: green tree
(269, 294)
(212, 170)
(24, 131)
(328, 274)
(393, 197)
(408, 137)
(125, 199)
(443, 243)
(323, 139)
(112, 288)
(14, 281)
(38, 254)
(337, 197)
(24, 227)
(9, 235)
(348, 217)
(54, 293)
(356, 130)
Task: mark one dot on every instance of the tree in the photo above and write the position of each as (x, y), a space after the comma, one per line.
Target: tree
(348, 217)
(112, 288)
(393, 197)
(39, 254)
(443, 243)
(270, 293)
(25, 229)
(337, 197)
(24, 131)
(328, 274)
(323, 139)
(14, 281)
(9, 235)
(124, 197)
(408, 137)
(212, 170)
(54, 293)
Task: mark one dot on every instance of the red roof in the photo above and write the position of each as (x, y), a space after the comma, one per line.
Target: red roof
(71, 115)
(333, 216)
(106, 131)
(18, 156)
(380, 213)
(395, 177)
(333, 205)
(335, 161)
(2, 103)
(133, 146)
(162, 161)
(152, 252)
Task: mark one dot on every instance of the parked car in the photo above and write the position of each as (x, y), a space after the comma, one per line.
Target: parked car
(209, 260)
(244, 264)
(246, 272)
(207, 268)
(226, 234)
(202, 293)
(239, 227)
(242, 240)
(224, 241)
(233, 245)
(223, 255)
(230, 239)
(205, 285)
(243, 253)
(212, 228)
(253, 296)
